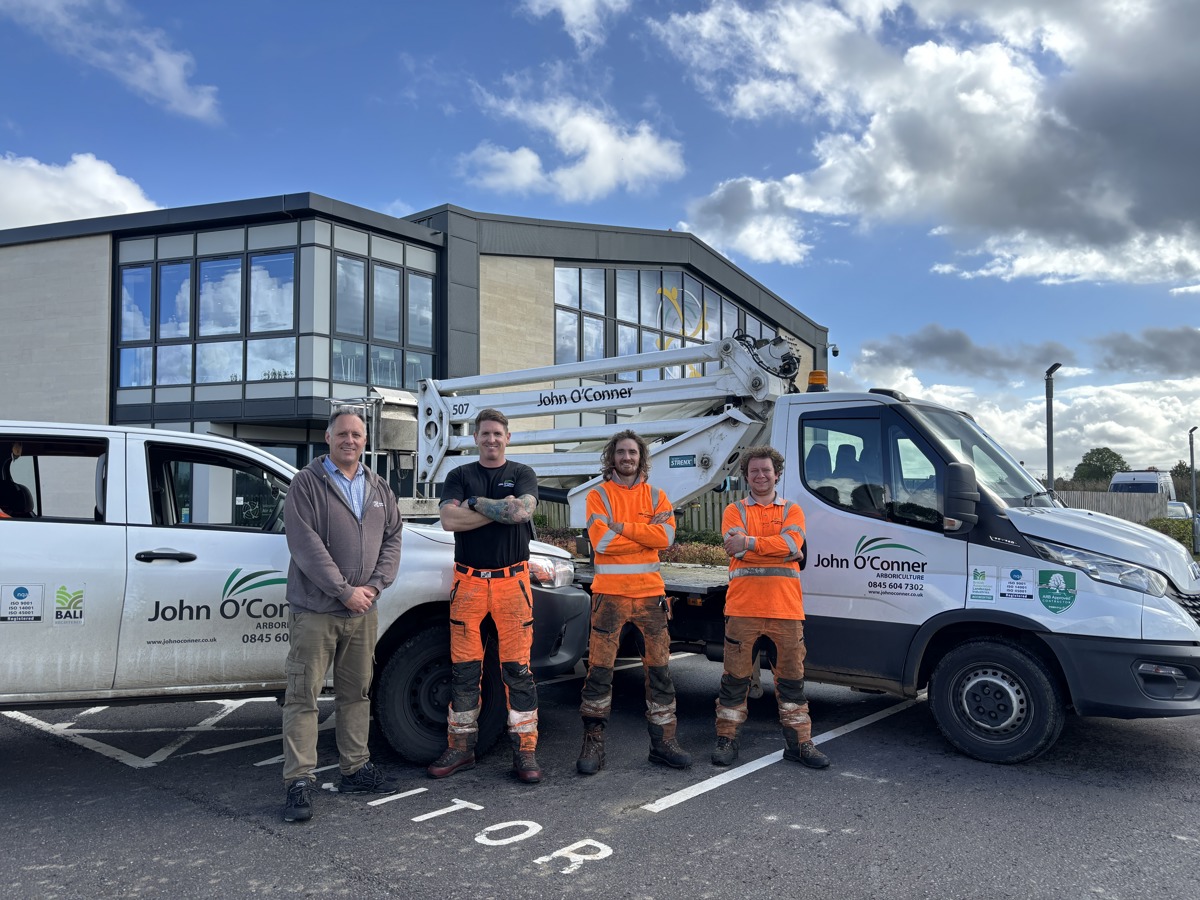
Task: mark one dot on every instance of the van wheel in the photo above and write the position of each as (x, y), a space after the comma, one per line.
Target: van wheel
(996, 701)
(413, 694)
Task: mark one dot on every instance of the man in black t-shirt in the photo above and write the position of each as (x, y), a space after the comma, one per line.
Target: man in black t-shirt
(488, 505)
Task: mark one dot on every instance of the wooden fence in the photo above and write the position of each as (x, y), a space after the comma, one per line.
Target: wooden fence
(1139, 508)
(702, 514)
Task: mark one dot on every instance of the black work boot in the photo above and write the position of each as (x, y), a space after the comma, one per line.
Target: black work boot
(725, 752)
(668, 753)
(591, 757)
(451, 760)
(806, 754)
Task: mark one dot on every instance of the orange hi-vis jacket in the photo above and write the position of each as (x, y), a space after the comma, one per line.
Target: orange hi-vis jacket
(627, 563)
(764, 580)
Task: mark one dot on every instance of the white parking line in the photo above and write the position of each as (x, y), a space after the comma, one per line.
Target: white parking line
(389, 799)
(711, 784)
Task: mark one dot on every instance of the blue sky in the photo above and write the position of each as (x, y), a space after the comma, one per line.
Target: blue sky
(963, 191)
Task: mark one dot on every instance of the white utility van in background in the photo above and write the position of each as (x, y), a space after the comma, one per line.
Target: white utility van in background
(1143, 481)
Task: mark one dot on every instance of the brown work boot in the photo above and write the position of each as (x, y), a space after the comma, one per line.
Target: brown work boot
(669, 753)
(725, 752)
(806, 754)
(591, 757)
(525, 766)
(451, 761)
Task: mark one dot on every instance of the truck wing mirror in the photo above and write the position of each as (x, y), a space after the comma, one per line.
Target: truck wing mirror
(962, 498)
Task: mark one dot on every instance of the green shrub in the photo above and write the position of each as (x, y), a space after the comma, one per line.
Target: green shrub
(1180, 529)
(704, 554)
(712, 538)
(564, 538)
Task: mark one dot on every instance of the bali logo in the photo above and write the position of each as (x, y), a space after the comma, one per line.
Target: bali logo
(1056, 590)
(68, 605)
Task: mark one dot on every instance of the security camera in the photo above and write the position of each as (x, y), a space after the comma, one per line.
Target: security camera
(833, 348)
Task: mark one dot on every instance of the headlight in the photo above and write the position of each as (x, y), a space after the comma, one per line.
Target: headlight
(551, 571)
(1103, 568)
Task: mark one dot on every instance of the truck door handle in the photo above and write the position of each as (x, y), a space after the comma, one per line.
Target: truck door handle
(152, 555)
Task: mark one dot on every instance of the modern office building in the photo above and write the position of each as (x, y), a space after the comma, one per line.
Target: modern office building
(245, 318)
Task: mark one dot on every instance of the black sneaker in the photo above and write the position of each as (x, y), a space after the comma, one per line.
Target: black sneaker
(368, 780)
(725, 752)
(298, 807)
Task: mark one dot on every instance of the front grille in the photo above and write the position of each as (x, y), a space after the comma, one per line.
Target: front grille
(1190, 604)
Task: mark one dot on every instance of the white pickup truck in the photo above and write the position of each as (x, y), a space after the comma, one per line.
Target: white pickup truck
(141, 564)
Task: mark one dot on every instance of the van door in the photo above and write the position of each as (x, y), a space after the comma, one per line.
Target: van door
(879, 564)
(207, 568)
(62, 560)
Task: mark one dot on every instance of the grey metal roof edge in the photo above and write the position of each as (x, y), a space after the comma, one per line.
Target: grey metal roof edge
(211, 215)
(710, 262)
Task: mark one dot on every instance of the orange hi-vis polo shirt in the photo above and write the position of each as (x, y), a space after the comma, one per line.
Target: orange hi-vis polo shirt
(764, 580)
(627, 563)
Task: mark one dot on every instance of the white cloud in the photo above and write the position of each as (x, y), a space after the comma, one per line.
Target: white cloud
(750, 218)
(597, 153)
(1051, 137)
(105, 35)
(33, 192)
(1145, 421)
(584, 20)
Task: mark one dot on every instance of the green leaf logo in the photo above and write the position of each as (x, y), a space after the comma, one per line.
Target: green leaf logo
(867, 545)
(237, 583)
(64, 599)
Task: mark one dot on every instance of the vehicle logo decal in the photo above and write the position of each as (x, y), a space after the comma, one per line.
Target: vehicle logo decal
(243, 584)
(1056, 590)
(68, 605)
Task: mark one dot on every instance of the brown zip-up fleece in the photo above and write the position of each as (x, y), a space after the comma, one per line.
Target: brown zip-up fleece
(332, 552)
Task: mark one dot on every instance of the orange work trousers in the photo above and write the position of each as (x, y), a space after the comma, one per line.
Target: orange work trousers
(509, 601)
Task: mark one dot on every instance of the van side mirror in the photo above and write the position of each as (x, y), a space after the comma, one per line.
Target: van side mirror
(962, 498)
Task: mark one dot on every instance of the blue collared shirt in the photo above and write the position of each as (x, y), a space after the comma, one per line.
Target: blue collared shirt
(353, 488)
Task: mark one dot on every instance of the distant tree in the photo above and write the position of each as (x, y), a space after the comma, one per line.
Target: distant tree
(1099, 464)
(1181, 474)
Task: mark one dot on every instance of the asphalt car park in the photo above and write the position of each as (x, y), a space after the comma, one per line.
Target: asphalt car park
(183, 799)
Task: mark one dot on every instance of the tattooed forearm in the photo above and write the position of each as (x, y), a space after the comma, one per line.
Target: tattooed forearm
(509, 511)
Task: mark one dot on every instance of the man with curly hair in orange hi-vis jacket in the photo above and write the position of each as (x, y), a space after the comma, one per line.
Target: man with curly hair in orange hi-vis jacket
(764, 537)
(629, 522)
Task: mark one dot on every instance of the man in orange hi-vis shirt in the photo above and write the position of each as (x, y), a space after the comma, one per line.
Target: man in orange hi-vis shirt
(764, 537)
(628, 523)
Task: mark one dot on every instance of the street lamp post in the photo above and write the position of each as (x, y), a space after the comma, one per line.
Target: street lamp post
(1050, 425)
(1192, 455)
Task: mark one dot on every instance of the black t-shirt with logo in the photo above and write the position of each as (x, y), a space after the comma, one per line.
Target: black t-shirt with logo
(495, 545)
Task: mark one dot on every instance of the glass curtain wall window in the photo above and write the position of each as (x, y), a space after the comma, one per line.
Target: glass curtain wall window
(187, 321)
(393, 310)
(652, 309)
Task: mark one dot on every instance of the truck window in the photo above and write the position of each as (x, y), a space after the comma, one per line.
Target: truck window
(203, 488)
(842, 463)
(915, 486)
(859, 465)
(52, 478)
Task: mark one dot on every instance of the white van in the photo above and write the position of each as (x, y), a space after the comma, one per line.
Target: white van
(1143, 481)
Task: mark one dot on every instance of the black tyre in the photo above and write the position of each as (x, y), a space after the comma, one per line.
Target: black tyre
(996, 701)
(412, 695)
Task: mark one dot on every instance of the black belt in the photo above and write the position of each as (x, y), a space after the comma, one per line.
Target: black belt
(518, 569)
